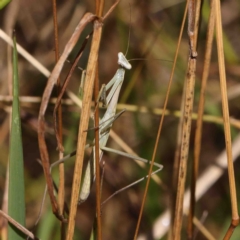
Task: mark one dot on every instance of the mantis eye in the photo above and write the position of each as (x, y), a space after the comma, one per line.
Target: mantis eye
(123, 61)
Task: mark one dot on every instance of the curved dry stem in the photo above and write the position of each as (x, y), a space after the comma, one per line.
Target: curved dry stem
(88, 17)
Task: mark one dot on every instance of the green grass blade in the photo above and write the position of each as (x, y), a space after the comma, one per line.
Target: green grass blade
(16, 199)
(47, 228)
(3, 3)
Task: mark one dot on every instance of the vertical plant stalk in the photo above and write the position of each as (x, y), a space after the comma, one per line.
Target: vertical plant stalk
(83, 126)
(176, 166)
(178, 149)
(186, 124)
(161, 123)
(228, 141)
(99, 12)
(61, 192)
(198, 135)
(186, 129)
(16, 197)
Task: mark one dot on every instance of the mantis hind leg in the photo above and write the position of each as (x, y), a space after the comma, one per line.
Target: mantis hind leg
(159, 168)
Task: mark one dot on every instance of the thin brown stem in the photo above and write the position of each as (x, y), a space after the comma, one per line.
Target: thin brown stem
(227, 131)
(198, 135)
(84, 120)
(186, 129)
(176, 166)
(178, 145)
(18, 226)
(99, 12)
(186, 124)
(61, 192)
(111, 9)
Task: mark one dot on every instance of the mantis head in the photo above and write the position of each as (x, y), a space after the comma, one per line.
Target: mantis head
(122, 61)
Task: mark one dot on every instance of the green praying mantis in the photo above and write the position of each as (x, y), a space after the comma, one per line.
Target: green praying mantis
(106, 122)
(105, 125)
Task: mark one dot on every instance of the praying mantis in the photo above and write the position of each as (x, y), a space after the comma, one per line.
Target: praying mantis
(106, 122)
(105, 126)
